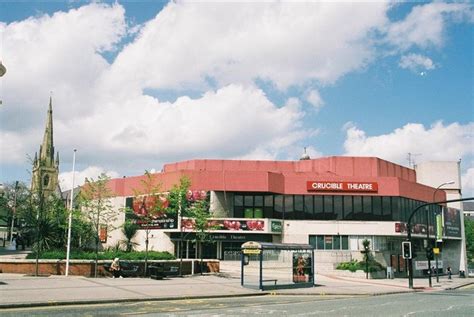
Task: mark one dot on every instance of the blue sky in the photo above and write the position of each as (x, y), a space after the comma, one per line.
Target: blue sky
(252, 81)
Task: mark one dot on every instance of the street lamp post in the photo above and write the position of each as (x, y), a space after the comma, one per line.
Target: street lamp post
(434, 200)
(68, 251)
(13, 212)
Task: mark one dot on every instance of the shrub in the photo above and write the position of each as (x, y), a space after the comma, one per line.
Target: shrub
(355, 265)
(107, 255)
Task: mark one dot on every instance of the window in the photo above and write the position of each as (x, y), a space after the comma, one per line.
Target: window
(322, 242)
(396, 209)
(248, 201)
(328, 207)
(367, 206)
(338, 212)
(278, 207)
(348, 214)
(337, 242)
(258, 201)
(377, 207)
(238, 200)
(299, 206)
(345, 242)
(308, 207)
(268, 209)
(386, 208)
(289, 209)
(357, 201)
(318, 208)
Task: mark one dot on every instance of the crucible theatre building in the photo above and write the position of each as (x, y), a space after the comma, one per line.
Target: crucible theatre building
(332, 203)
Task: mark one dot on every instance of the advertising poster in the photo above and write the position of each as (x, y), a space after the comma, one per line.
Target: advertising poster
(301, 267)
(452, 222)
(230, 225)
(149, 212)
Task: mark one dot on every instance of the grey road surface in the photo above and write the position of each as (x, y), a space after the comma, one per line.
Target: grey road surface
(446, 303)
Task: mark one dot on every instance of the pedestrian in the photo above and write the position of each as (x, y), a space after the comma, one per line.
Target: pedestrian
(449, 272)
(115, 268)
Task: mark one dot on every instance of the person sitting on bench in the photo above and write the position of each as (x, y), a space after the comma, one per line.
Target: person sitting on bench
(115, 268)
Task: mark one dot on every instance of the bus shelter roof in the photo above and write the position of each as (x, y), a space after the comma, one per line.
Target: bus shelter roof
(276, 246)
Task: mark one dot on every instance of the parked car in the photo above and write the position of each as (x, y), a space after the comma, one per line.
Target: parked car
(127, 269)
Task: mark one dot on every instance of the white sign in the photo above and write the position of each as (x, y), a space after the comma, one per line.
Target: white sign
(423, 265)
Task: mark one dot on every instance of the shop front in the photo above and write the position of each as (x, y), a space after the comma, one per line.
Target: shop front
(222, 246)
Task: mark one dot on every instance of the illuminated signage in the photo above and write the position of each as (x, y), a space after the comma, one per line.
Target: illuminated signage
(342, 186)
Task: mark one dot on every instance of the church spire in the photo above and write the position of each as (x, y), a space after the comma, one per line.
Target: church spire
(47, 147)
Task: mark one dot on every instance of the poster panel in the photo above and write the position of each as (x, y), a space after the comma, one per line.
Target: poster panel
(301, 267)
(452, 222)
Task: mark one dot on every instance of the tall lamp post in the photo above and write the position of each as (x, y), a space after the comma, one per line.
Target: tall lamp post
(13, 212)
(434, 200)
(70, 215)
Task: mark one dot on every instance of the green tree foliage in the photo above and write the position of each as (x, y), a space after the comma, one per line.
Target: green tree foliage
(95, 201)
(199, 210)
(14, 200)
(129, 230)
(149, 186)
(469, 231)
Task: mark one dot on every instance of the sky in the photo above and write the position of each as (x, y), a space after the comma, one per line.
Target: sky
(137, 84)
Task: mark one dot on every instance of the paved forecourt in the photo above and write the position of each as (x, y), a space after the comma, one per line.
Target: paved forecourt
(21, 291)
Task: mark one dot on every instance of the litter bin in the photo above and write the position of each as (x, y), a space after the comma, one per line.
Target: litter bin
(157, 271)
(390, 272)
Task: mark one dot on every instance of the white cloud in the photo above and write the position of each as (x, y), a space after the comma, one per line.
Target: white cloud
(286, 43)
(91, 172)
(438, 142)
(314, 98)
(425, 25)
(468, 182)
(416, 63)
(100, 106)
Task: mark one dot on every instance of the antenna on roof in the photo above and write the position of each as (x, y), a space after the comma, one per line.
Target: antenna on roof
(411, 159)
(305, 155)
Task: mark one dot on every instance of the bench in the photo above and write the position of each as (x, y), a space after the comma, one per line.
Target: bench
(127, 269)
(274, 281)
(158, 271)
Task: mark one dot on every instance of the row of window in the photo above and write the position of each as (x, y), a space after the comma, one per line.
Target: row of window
(329, 242)
(330, 207)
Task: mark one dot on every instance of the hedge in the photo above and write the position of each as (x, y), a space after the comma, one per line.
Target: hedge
(107, 255)
(355, 265)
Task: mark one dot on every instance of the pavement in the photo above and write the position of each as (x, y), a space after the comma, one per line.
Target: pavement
(19, 290)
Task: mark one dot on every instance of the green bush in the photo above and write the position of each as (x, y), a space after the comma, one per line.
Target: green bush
(355, 265)
(107, 255)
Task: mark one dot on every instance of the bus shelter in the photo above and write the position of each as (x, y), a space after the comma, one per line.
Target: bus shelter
(268, 266)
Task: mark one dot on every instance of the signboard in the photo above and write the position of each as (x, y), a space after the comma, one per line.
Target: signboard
(436, 250)
(251, 251)
(149, 212)
(301, 267)
(452, 222)
(423, 265)
(103, 234)
(333, 186)
(224, 224)
(276, 226)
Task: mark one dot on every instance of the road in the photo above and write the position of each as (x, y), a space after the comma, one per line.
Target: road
(447, 303)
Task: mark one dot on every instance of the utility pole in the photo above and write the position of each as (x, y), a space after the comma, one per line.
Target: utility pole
(71, 206)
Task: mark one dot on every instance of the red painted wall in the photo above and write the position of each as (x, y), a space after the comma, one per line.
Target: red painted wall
(285, 177)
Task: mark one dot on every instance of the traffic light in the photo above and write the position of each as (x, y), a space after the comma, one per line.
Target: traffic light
(406, 250)
(429, 253)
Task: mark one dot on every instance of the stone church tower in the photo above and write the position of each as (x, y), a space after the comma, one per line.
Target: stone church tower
(45, 167)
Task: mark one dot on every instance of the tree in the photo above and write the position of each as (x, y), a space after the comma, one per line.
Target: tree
(469, 231)
(129, 230)
(200, 212)
(367, 256)
(179, 205)
(150, 190)
(95, 203)
(14, 200)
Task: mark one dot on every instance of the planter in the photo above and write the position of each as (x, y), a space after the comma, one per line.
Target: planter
(87, 267)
